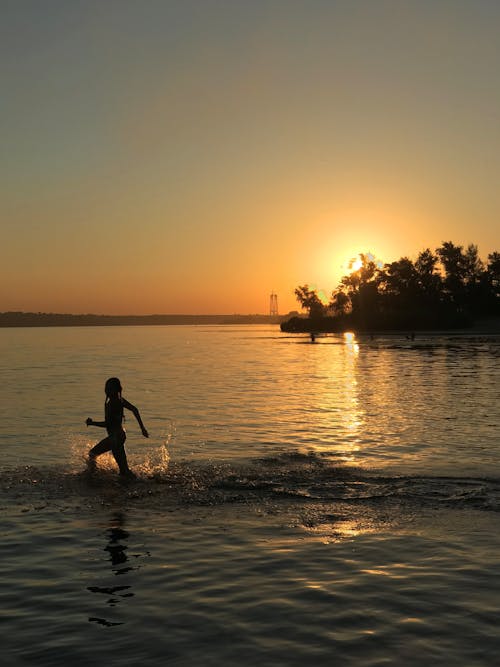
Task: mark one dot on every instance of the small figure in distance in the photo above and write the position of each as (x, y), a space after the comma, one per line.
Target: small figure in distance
(113, 423)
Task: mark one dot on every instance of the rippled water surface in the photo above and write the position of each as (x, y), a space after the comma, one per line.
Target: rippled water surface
(296, 503)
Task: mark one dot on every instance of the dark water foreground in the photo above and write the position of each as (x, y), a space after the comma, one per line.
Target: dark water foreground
(289, 560)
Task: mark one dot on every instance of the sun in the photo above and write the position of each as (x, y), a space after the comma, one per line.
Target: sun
(354, 264)
(361, 260)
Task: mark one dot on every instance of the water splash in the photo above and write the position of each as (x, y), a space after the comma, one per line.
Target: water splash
(148, 459)
(292, 478)
(156, 462)
(168, 435)
(158, 457)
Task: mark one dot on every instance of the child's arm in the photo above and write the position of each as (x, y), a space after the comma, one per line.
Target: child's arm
(90, 422)
(136, 414)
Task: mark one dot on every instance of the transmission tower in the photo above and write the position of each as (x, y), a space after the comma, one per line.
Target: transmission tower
(273, 304)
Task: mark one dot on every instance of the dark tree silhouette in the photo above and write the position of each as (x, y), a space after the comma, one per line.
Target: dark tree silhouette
(455, 271)
(443, 289)
(310, 301)
(429, 279)
(399, 281)
(493, 271)
(340, 303)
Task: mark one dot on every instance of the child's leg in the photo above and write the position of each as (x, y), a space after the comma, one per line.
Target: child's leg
(118, 450)
(105, 445)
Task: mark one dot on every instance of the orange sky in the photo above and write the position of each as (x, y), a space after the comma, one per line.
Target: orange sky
(189, 157)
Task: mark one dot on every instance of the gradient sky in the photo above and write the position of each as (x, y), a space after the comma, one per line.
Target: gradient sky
(191, 156)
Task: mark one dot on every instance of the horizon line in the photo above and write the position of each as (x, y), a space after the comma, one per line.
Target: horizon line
(90, 314)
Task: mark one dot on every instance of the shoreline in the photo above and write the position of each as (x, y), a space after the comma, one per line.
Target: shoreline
(482, 327)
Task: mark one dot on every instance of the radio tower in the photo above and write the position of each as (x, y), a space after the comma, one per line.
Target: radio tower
(273, 304)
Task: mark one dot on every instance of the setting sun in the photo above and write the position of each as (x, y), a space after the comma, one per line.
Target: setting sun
(354, 264)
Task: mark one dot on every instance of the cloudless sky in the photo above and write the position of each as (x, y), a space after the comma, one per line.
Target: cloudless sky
(191, 156)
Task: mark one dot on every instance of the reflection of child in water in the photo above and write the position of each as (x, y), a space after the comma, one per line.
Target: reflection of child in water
(113, 418)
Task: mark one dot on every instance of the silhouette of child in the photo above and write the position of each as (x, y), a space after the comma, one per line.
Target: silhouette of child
(113, 419)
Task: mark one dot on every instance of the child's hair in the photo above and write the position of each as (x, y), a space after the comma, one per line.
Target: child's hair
(112, 387)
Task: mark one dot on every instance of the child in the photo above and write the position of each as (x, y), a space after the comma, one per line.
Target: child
(113, 418)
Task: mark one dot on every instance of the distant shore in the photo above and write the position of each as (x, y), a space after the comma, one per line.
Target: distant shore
(21, 319)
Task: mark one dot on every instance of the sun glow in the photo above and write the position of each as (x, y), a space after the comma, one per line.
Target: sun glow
(354, 264)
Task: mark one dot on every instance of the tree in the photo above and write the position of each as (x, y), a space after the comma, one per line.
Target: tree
(454, 264)
(352, 282)
(339, 303)
(492, 276)
(309, 300)
(429, 280)
(473, 265)
(399, 281)
(477, 289)
(360, 288)
(446, 288)
(493, 270)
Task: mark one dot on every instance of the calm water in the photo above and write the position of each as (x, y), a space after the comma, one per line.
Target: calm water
(296, 504)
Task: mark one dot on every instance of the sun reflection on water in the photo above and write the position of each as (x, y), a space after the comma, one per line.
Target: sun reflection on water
(339, 530)
(352, 416)
(338, 409)
(351, 343)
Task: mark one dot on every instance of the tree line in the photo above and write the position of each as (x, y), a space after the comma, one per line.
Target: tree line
(450, 287)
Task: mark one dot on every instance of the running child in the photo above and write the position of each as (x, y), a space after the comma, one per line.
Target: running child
(113, 423)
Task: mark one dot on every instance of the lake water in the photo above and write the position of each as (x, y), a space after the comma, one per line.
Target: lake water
(296, 503)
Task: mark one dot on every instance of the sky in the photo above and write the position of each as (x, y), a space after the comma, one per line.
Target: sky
(193, 156)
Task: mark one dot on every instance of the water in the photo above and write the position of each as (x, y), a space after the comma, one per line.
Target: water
(296, 503)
